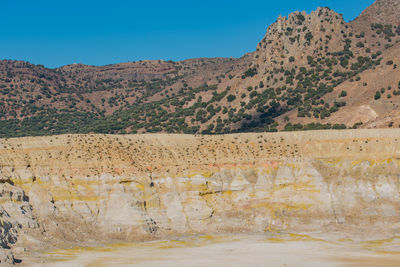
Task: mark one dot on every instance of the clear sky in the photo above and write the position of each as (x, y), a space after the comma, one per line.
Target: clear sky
(60, 32)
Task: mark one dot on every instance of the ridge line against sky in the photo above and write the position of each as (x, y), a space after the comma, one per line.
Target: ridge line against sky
(56, 33)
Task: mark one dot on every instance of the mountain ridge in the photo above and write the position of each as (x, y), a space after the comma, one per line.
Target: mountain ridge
(310, 71)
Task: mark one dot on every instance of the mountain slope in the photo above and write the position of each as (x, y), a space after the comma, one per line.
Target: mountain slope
(310, 71)
(382, 11)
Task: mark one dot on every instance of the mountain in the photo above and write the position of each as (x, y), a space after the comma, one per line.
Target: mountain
(310, 71)
(384, 12)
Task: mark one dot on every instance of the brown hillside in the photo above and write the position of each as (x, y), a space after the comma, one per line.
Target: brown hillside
(382, 11)
(309, 68)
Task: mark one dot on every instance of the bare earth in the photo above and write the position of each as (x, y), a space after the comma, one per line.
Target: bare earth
(238, 250)
(305, 198)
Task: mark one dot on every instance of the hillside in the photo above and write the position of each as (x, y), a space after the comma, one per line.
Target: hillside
(310, 71)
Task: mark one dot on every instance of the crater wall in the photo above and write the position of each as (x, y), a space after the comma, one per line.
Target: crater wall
(83, 189)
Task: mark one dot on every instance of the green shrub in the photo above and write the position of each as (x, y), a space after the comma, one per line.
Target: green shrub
(253, 94)
(339, 126)
(309, 36)
(300, 17)
(377, 95)
(231, 97)
(344, 62)
(250, 73)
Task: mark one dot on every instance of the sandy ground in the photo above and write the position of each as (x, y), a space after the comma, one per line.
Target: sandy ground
(289, 250)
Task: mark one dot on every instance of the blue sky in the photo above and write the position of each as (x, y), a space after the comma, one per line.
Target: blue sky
(60, 32)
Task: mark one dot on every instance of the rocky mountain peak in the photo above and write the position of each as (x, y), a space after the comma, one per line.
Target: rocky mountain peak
(290, 38)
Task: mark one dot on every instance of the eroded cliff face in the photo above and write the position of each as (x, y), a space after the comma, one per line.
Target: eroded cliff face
(83, 189)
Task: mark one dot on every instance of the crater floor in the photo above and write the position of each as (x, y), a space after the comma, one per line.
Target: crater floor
(234, 250)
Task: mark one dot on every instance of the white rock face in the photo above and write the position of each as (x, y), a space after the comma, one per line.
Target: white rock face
(123, 188)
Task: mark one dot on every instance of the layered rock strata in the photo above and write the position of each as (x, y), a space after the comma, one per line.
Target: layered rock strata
(84, 189)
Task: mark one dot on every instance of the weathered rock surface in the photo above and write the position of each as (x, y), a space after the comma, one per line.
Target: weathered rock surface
(15, 217)
(83, 189)
(6, 258)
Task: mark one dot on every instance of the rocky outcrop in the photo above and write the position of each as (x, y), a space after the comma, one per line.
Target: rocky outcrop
(139, 71)
(84, 189)
(16, 218)
(291, 39)
(7, 258)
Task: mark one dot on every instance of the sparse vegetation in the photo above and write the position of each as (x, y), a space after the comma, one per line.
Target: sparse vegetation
(377, 95)
(195, 96)
(231, 98)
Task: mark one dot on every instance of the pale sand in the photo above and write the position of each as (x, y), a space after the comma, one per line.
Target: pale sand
(243, 250)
